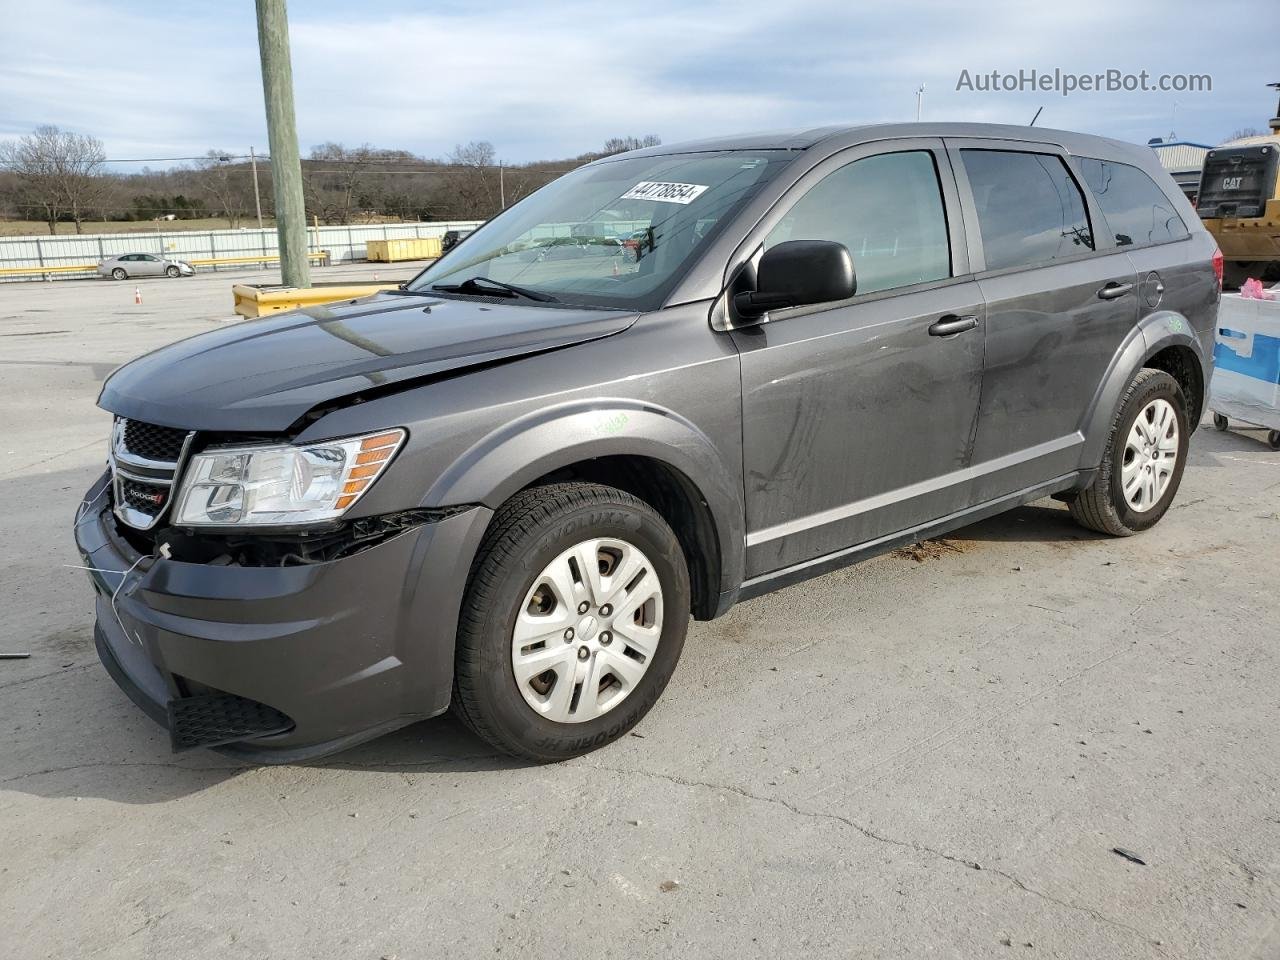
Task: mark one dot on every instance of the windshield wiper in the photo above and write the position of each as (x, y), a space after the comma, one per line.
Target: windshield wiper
(477, 285)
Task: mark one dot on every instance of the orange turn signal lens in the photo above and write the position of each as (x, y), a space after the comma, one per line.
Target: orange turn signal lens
(389, 439)
(373, 456)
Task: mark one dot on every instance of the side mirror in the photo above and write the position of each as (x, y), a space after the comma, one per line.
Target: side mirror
(799, 272)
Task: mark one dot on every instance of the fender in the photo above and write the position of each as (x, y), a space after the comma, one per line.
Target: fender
(518, 453)
(1155, 332)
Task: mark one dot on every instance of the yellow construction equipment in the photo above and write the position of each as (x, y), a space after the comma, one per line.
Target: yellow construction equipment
(1239, 203)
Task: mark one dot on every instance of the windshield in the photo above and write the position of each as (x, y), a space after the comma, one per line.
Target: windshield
(614, 234)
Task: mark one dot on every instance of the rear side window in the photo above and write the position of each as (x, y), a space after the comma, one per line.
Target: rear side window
(887, 210)
(1030, 211)
(1136, 210)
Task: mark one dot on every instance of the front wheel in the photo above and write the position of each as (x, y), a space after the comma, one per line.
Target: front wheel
(172, 272)
(573, 621)
(1143, 461)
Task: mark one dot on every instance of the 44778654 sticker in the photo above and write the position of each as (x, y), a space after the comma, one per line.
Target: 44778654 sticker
(665, 192)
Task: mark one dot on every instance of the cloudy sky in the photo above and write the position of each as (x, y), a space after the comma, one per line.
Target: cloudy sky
(554, 78)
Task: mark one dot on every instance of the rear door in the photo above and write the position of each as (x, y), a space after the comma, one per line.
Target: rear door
(1060, 300)
(1174, 270)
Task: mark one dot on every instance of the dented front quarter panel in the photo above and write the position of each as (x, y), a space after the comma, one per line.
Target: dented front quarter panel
(667, 388)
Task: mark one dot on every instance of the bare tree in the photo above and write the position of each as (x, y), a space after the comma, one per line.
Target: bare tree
(59, 172)
(472, 179)
(1245, 132)
(223, 186)
(333, 178)
(623, 144)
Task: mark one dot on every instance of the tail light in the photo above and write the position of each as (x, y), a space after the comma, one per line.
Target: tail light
(1217, 266)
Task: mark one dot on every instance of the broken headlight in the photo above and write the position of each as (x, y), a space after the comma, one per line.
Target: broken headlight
(287, 484)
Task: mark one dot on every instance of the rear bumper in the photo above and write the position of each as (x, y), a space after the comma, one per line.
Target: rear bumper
(347, 649)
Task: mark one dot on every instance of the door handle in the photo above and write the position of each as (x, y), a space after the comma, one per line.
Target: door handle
(1114, 291)
(950, 325)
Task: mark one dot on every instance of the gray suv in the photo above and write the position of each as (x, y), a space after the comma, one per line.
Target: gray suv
(507, 486)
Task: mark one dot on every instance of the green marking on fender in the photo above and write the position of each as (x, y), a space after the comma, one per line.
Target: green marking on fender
(614, 424)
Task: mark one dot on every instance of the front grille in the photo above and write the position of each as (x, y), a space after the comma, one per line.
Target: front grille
(153, 442)
(148, 498)
(145, 462)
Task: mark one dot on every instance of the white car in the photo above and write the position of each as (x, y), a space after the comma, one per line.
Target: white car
(143, 265)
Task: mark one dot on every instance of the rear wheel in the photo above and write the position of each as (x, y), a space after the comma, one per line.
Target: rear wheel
(1273, 439)
(1143, 462)
(574, 619)
(118, 273)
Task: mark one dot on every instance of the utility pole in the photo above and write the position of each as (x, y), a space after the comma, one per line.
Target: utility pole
(502, 187)
(919, 101)
(257, 196)
(282, 136)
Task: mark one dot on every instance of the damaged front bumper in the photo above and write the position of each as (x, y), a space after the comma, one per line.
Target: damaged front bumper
(277, 664)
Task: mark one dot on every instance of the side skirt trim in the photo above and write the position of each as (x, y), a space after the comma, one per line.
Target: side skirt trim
(768, 582)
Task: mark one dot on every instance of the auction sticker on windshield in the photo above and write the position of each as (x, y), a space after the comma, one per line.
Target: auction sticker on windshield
(665, 192)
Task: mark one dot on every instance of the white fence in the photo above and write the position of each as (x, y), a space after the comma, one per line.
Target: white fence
(343, 244)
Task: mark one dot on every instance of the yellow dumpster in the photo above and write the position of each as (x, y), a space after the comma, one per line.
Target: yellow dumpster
(254, 301)
(404, 248)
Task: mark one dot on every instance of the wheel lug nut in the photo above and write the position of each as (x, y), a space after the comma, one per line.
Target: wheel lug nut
(583, 607)
(568, 635)
(606, 610)
(583, 653)
(606, 638)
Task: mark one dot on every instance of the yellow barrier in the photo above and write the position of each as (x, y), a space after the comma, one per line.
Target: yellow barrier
(251, 301)
(32, 271)
(320, 255)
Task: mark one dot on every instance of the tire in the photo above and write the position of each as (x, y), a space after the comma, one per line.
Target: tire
(172, 272)
(1273, 439)
(119, 274)
(553, 715)
(1104, 506)
(1220, 422)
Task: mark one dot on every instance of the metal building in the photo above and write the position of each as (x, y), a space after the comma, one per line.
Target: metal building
(1184, 161)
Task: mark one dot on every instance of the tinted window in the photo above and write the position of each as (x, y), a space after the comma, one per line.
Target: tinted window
(1029, 209)
(887, 210)
(1136, 210)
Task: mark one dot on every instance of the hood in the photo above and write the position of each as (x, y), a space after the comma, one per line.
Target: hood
(263, 375)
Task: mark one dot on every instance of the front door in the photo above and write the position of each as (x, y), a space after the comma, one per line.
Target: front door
(859, 416)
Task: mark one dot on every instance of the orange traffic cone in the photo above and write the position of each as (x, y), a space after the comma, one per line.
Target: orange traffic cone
(137, 294)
